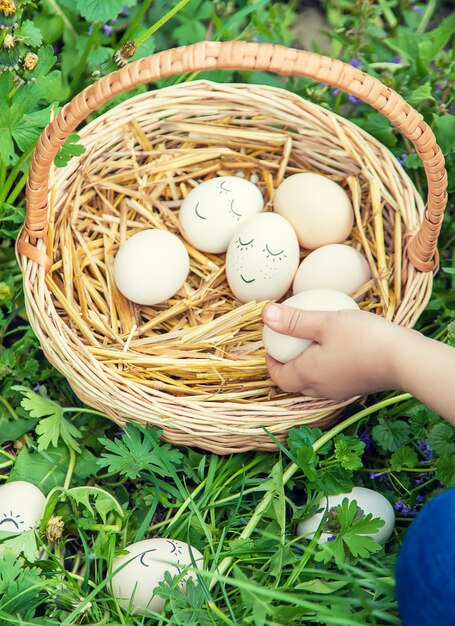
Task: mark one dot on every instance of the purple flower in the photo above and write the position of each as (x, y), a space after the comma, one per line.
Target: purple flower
(354, 62)
(422, 444)
(452, 109)
(396, 60)
(374, 475)
(419, 498)
(90, 29)
(335, 92)
(365, 436)
(401, 159)
(398, 505)
(352, 98)
(428, 452)
(107, 29)
(418, 10)
(331, 538)
(37, 387)
(124, 10)
(419, 481)
(414, 511)
(406, 510)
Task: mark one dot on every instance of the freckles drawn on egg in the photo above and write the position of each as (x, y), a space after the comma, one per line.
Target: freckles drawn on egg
(270, 268)
(12, 519)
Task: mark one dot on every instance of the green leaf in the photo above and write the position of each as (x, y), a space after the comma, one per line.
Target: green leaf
(103, 501)
(390, 434)
(418, 421)
(307, 460)
(318, 585)
(378, 126)
(445, 470)
(22, 543)
(334, 480)
(421, 93)
(29, 34)
(101, 10)
(403, 457)
(441, 438)
(69, 149)
(348, 451)
(413, 162)
(308, 436)
(52, 428)
(133, 453)
(19, 585)
(444, 129)
(434, 41)
(45, 469)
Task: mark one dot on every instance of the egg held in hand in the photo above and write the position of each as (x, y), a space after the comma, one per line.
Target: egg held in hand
(318, 208)
(21, 506)
(335, 266)
(143, 568)
(262, 258)
(368, 500)
(284, 348)
(212, 211)
(151, 266)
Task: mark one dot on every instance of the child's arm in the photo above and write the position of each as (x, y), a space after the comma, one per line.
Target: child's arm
(357, 352)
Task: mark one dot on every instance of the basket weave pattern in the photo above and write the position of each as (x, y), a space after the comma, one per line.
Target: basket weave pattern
(164, 365)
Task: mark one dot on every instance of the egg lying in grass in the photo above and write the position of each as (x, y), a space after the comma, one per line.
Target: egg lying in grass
(21, 506)
(143, 568)
(151, 266)
(335, 266)
(262, 258)
(368, 500)
(317, 207)
(284, 348)
(212, 211)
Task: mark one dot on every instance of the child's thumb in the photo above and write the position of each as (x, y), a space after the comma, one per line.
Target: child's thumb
(296, 322)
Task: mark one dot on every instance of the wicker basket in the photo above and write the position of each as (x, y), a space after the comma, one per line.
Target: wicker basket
(166, 141)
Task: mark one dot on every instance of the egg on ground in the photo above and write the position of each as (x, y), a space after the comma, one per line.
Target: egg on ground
(137, 573)
(368, 500)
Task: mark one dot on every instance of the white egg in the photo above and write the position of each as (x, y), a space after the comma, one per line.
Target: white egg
(284, 348)
(368, 500)
(318, 208)
(212, 211)
(21, 506)
(262, 258)
(144, 567)
(151, 266)
(335, 266)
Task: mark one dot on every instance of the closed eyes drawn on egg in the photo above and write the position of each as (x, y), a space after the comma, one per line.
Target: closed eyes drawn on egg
(197, 213)
(176, 548)
(244, 245)
(234, 213)
(12, 519)
(222, 188)
(275, 255)
(141, 559)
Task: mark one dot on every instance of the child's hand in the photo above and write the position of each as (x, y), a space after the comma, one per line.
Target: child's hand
(353, 353)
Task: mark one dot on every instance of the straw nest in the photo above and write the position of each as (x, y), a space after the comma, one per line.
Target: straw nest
(195, 365)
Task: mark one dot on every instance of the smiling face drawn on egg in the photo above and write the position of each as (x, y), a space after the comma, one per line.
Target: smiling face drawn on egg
(262, 258)
(213, 210)
(12, 522)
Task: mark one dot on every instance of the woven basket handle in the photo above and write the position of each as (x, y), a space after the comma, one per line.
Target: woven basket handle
(208, 55)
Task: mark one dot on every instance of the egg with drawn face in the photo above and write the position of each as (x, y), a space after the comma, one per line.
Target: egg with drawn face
(21, 506)
(137, 573)
(212, 211)
(262, 258)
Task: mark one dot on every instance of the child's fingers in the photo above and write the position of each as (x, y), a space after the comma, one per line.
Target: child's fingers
(284, 375)
(289, 321)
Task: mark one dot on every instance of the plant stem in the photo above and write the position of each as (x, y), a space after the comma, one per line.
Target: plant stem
(14, 172)
(53, 5)
(429, 10)
(292, 468)
(136, 21)
(17, 188)
(82, 61)
(160, 22)
(9, 408)
(70, 471)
